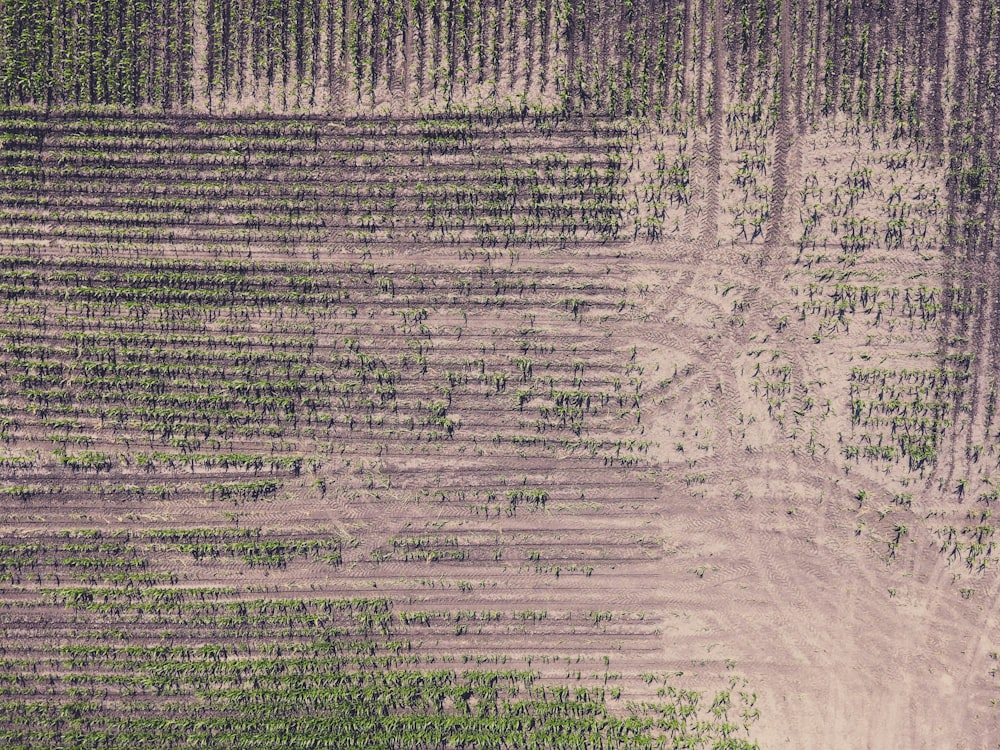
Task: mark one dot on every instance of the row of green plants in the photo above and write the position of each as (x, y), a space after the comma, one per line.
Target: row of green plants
(650, 59)
(306, 670)
(562, 197)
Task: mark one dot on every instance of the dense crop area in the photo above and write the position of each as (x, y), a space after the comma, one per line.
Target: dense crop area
(300, 673)
(663, 58)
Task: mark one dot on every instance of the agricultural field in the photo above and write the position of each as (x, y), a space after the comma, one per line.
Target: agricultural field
(481, 374)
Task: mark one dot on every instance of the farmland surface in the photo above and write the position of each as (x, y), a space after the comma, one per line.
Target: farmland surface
(467, 373)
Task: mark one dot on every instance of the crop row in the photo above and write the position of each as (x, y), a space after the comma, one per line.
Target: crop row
(67, 188)
(342, 658)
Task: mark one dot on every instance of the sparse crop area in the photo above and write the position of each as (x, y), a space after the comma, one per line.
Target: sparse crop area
(473, 374)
